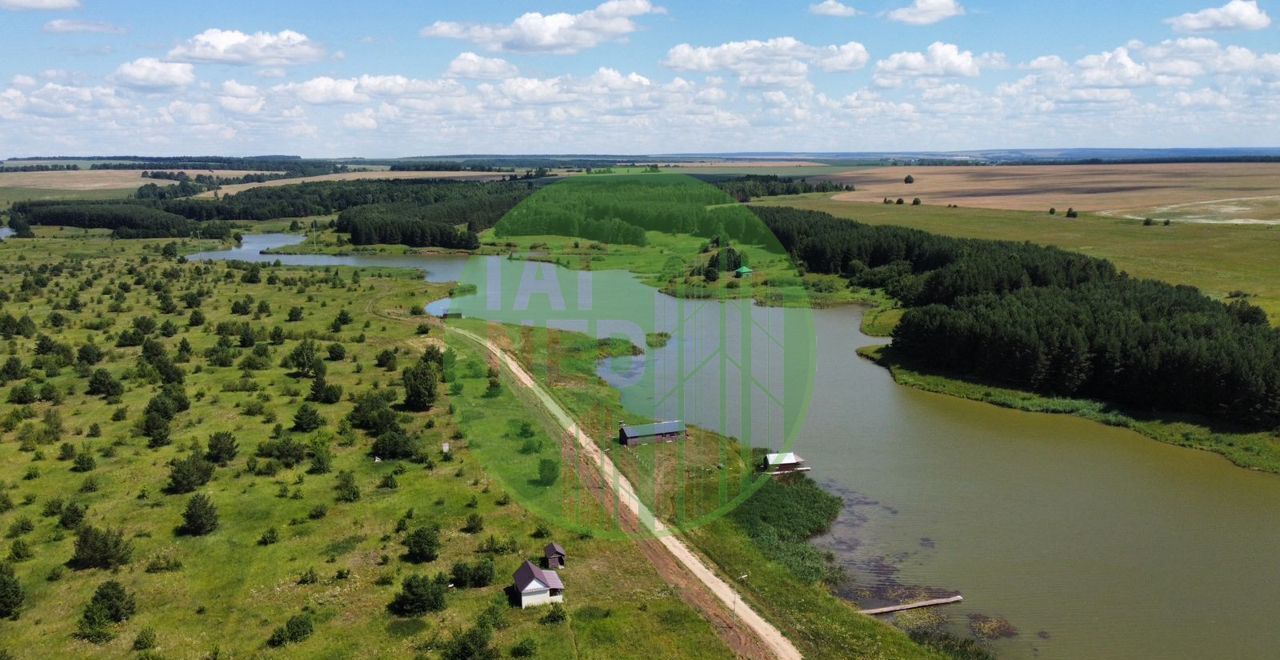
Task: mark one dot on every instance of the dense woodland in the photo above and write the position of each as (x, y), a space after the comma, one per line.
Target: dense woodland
(1050, 321)
(126, 220)
(420, 226)
(747, 188)
(473, 206)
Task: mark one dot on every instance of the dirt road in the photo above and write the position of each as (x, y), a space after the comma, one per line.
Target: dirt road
(777, 645)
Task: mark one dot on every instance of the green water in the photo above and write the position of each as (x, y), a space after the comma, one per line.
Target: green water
(1093, 542)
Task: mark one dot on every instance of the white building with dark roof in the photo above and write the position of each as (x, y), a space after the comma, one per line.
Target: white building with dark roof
(536, 586)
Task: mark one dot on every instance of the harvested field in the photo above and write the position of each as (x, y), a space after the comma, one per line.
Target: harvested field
(352, 176)
(1139, 190)
(93, 179)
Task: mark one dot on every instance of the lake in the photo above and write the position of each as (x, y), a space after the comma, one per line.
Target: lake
(1092, 541)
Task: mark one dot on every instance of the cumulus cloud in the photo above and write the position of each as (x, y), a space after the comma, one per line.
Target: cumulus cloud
(471, 65)
(833, 8)
(325, 90)
(560, 33)
(241, 99)
(260, 48)
(1235, 15)
(1190, 57)
(940, 60)
(780, 61)
(1202, 98)
(363, 120)
(39, 4)
(65, 26)
(927, 12)
(1117, 68)
(149, 73)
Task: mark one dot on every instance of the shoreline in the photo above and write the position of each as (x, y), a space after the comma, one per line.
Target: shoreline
(1255, 451)
(1248, 449)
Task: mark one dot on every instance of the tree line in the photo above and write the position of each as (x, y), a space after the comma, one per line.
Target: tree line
(751, 186)
(125, 220)
(421, 226)
(153, 214)
(40, 168)
(1042, 319)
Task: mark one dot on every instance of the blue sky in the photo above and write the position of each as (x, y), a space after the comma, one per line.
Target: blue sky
(382, 78)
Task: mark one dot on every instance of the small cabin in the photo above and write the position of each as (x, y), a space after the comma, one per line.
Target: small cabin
(536, 586)
(554, 555)
(743, 272)
(783, 464)
(639, 434)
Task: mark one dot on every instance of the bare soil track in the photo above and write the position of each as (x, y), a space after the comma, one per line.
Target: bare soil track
(740, 626)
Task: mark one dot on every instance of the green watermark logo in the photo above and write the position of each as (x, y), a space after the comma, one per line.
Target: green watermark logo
(669, 341)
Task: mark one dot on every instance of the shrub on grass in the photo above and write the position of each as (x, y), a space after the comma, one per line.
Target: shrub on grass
(11, 594)
(269, 537)
(296, 629)
(222, 448)
(346, 488)
(110, 604)
(188, 474)
(422, 544)
(200, 517)
(98, 548)
(420, 595)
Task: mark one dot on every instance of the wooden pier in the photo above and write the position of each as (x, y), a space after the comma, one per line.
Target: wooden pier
(916, 605)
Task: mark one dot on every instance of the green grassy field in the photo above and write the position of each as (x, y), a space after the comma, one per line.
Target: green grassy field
(230, 592)
(1219, 259)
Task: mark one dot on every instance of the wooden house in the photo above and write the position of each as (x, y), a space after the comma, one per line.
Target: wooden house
(536, 586)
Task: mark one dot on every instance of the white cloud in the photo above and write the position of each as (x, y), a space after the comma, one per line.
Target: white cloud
(241, 99)
(150, 73)
(22, 80)
(55, 100)
(927, 12)
(941, 60)
(363, 120)
(402, 86)
(1046, 63)
(326, 90)
(65, 26)
(260, 48)
(1117, 68)
(833, 8)
(534, 90)
(39, 4)
(559, 33)
(471, 65)
(779, 61)
(1202, 98)
(1235, 15)
(1190, 57)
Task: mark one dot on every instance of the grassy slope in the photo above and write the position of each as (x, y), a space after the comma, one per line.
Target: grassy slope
(231, 592)
(774, 281)
(683, 477)
(1218, 259)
